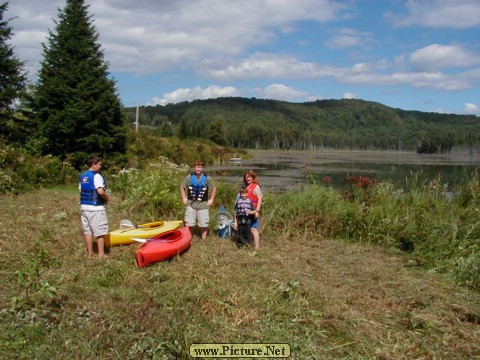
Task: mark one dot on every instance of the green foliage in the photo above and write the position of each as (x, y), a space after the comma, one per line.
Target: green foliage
(437, 230)
(12, 78)
(75, 102)
(218, 132)
(21, 171)
(32, 285)
(348, 123)
(153, 193)
(143, 147)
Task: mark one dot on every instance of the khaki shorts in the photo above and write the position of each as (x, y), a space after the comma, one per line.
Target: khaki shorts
(94, 222)
(193, 216)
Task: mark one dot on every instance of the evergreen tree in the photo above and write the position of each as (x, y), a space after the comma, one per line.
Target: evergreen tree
(184, 131)
(12, 78)
(218, 133)
(77, 107)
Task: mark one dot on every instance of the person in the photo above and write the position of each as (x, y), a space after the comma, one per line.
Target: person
(93, 198)
(244, 212)
(250, 181)
(198, 193)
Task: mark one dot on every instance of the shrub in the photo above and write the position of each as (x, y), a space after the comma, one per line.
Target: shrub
(152, 193)
(438, 231)
(21, 171)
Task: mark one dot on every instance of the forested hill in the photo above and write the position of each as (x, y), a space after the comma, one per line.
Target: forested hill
(346, 123)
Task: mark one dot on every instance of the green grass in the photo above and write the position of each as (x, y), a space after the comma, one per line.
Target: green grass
(328, 299)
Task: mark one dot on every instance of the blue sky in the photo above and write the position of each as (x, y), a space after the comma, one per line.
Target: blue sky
(415, 55)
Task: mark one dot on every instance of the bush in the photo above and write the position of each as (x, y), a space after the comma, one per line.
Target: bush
(433, 228)
(20, 171)
(152, 193)
(144, 146)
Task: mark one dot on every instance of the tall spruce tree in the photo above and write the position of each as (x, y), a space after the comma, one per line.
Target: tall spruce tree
(12, 77)
(77, 106)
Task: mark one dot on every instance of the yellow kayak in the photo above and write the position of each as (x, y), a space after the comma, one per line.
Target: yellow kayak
(142, 231)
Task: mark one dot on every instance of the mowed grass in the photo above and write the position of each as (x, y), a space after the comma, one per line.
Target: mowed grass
(327, 299)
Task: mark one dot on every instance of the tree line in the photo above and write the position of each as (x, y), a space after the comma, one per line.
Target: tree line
(341, 124)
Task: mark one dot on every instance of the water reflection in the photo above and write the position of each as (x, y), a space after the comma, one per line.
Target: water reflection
(288, 170)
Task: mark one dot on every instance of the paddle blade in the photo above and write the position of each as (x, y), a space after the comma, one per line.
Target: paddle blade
(126, 224)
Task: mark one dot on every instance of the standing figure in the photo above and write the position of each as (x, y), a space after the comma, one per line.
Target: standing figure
(255, 194)
(244, 212)
(198, 193)
(93, 198)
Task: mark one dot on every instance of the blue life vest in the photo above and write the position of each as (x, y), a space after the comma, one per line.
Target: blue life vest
(198, 188)
(88, 193)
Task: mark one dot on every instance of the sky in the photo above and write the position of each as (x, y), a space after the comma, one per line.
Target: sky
(415, 55)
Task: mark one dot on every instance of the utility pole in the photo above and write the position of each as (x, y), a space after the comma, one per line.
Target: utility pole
(136, 119)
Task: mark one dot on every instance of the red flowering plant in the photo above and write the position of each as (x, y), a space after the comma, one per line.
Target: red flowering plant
(363, 182)
(359, 188)
(327, 180)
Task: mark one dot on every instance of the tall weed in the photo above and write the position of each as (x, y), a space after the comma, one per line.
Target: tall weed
(153, 193)
(434, 228)
(20, 171)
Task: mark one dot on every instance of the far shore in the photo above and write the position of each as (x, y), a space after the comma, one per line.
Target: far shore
(286, 169)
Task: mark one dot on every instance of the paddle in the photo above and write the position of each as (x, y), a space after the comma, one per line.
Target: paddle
(128, 225)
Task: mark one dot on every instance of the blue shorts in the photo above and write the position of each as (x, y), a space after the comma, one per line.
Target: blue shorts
(255, 223)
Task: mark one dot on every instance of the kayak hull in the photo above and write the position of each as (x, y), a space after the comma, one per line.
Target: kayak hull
(142, 231)
(163, 246)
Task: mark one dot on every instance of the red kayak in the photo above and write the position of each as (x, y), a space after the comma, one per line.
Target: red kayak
(163, 246)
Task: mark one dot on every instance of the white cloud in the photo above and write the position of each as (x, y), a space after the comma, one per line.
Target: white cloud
(436, 57)
(458, 14)
(346, 37)
(187, 94)
(274, 66)
(349, 95)
(145, 36)
(471, 108)
(281, 92)
(263, 65)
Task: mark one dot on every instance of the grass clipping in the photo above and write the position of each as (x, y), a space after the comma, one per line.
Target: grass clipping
(327, 299)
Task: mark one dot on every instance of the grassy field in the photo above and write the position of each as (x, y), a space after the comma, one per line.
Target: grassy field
(327, 299)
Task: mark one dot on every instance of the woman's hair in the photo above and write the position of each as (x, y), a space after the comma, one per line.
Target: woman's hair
(252, 174)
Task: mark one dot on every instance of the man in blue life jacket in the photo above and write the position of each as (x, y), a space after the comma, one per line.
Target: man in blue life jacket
(93, 198)
(198, 193)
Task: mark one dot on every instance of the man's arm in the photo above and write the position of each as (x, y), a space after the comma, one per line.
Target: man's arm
(184, 195)
(103, 194)
(212, 196)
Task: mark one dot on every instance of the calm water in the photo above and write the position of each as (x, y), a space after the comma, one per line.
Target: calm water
(279, 170)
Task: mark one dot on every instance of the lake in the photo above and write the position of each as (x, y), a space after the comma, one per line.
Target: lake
(280, 170)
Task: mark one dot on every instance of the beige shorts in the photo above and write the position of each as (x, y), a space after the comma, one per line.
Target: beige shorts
(192, 217)
(94, 222)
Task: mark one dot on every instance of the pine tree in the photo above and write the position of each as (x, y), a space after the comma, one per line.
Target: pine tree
(12, 77)
(77, 107)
